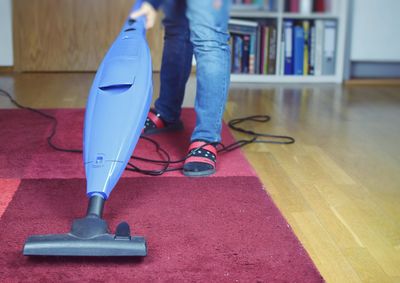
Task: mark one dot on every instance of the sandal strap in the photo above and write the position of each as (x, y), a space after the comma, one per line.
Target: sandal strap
(200, 159)
(201, 145)
(156, 120)
(200, 151)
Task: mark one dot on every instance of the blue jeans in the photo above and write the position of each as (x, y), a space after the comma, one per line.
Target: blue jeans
(198, 27)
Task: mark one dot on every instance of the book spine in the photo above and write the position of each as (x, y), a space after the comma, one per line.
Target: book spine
(306, 29)
(287, 5)
(237, 66)
(260, 4)
(272, 51)
(319, 41)
(232, 49)
(282, 57)
(328, 62)
(288, 37)
(266, 50)
(236, 28)
(245, 54)
(329, 6)
(294, 6)
(298, 60)
(270, 5)
(306, 6)
(262, 50)
(312, 50)
(252, 55)
(258, 50)
(319, 6)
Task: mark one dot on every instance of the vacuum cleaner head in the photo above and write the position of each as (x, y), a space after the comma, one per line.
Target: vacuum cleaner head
(89, 236)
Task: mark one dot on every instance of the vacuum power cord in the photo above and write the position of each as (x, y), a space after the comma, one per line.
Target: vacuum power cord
(165, 162)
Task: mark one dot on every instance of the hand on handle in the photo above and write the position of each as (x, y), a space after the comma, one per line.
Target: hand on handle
(148, 11)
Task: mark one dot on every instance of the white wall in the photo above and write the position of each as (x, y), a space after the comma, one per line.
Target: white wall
(376, 31)
(6, 48)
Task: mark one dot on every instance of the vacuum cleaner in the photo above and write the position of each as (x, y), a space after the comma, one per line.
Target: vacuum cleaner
(116, 111)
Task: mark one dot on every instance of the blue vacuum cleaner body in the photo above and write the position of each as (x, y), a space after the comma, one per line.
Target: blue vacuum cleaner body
(117, 107)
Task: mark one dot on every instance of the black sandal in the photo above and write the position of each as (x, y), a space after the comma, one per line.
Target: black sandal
(155, 124)
(201, 159)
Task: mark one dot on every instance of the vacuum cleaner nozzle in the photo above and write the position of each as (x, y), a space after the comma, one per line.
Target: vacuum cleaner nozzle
(88, 237)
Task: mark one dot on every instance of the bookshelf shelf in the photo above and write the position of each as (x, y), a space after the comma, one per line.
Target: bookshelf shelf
(254, 14)
(278, 17)
(312, 16)
(248, 78)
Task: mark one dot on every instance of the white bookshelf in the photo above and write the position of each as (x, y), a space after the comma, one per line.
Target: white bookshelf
(339, 13)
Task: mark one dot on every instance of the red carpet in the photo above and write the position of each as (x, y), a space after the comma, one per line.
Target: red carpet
(219, 229)
(25, 153)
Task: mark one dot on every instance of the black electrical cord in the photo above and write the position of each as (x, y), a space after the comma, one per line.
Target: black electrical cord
(45, 115)
(166, 161)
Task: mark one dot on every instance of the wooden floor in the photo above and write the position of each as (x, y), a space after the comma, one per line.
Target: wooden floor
(338, 186)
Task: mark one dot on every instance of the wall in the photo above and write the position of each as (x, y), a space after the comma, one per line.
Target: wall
(371, 40)
(376, 31)
(6, 48)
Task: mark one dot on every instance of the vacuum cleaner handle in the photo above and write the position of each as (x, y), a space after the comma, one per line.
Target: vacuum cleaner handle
(140, 21)
(117, 107)
(136, 6)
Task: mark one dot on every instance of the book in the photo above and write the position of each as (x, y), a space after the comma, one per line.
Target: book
(312, 47)
(298, 50)
(261, 50)
(264, 31)
(271, 66)
(231, 47)
(237, 55)
(319, 6)
(287, 5)
(294, 6)
(306, 29)
(306, 6)
(253, 56)
(288, 54)
(270, 5)
(329, 6)
(328, 61)
(242, 26)
(245, 54)
(248, 5)
(264, 66)
(258, 50)
(282, 57)
(319, 42)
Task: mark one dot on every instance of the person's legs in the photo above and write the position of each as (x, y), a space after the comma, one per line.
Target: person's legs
(176, 61)
(208, 23)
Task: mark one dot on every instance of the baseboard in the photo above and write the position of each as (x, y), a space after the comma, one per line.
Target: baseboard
(6, 69)
(373, 82)
(373, 70)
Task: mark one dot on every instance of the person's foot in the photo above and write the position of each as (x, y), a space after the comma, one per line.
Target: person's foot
(201, 159)
(156, 124)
